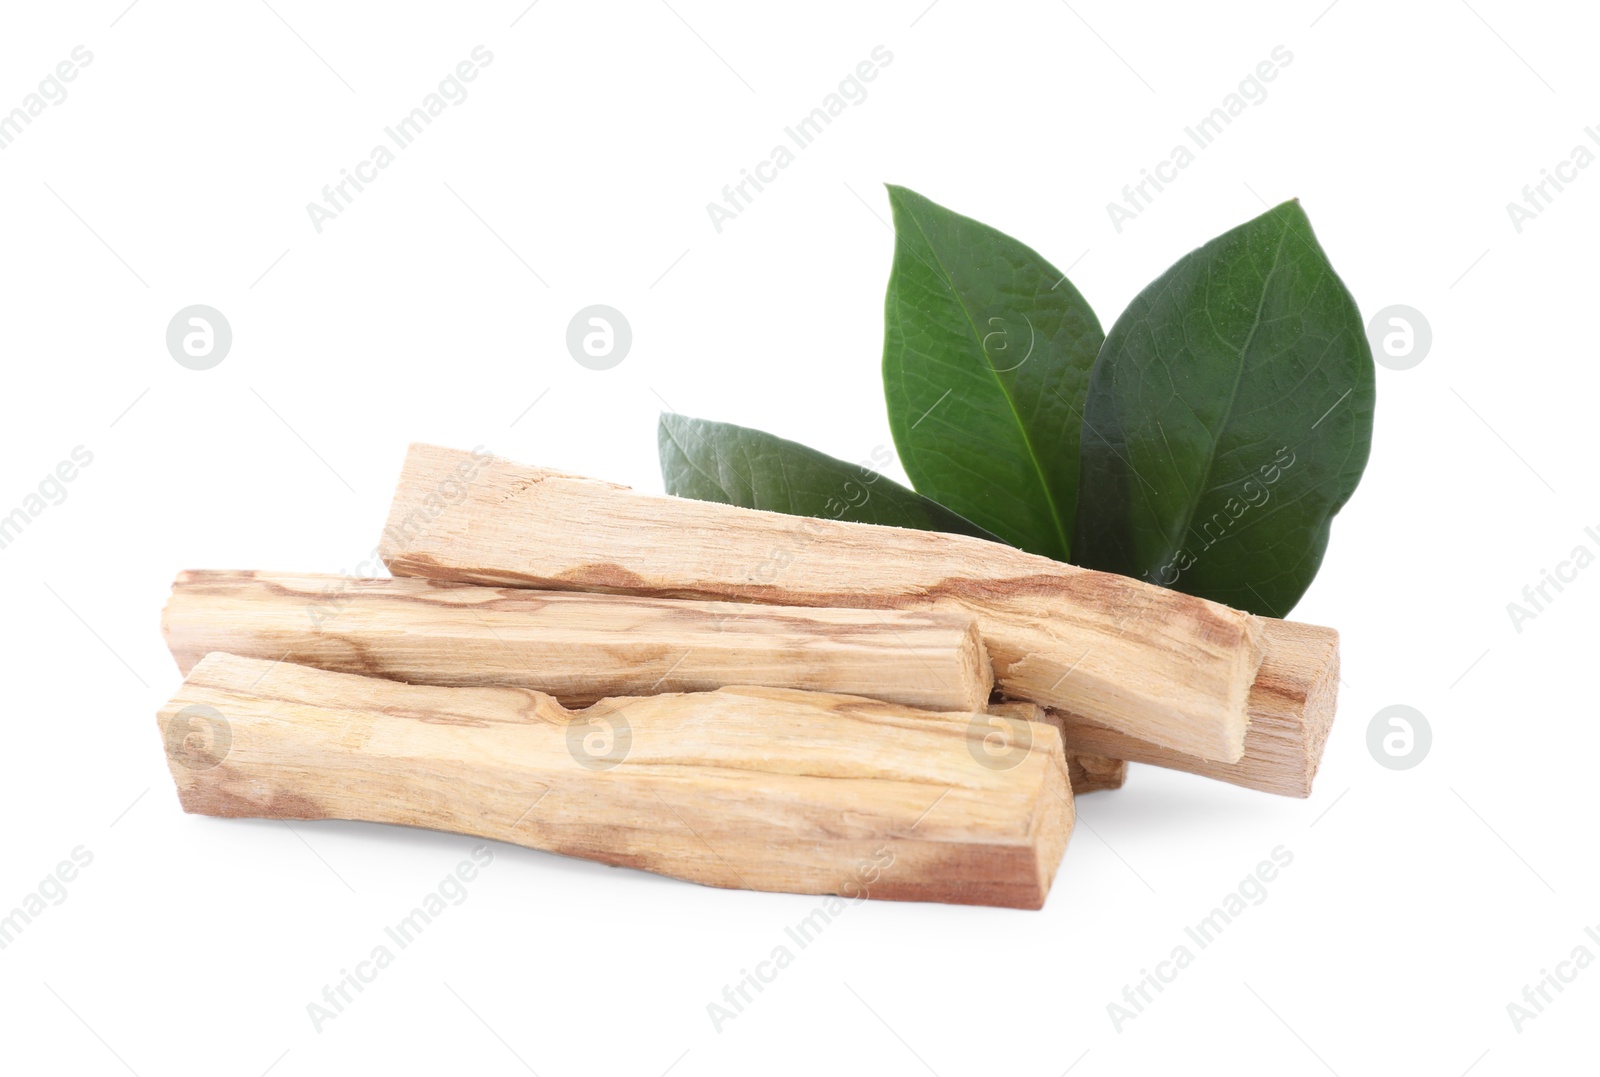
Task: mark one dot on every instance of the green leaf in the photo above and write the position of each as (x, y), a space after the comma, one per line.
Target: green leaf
(739, 466)
(1228, 419)
(986, 358)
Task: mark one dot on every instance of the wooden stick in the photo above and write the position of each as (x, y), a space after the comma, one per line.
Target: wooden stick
(1291, 710)
(758, 788)
(577, 647)
(1156, 664)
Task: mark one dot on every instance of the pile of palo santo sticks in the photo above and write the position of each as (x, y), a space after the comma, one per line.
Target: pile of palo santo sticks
(725, 695)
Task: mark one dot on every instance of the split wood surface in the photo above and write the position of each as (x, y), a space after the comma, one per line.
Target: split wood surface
(577, 647)
(1151, 663)
(757, 788)
(1291, 711)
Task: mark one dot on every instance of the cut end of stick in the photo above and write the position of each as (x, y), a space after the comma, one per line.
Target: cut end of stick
(1292, 705)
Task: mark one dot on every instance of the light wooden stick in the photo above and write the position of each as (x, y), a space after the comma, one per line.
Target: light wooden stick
(1153, 663)
(1088, 773)
(577, 647)
(1291, 710)
(757, 788)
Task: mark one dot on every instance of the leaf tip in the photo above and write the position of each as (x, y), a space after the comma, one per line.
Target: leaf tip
(898, 195)
(1291, 208)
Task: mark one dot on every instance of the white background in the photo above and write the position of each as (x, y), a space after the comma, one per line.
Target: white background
(177, 171)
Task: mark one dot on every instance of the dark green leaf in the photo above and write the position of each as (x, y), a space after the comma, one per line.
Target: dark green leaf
(740, 466)
(986, 356)
(1228, 419)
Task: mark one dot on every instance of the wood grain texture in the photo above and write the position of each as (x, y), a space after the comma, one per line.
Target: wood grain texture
(1094, 773)
(1163, 666)
(755, 788)
(575, 646)
(1087, 773)
(1291, 711)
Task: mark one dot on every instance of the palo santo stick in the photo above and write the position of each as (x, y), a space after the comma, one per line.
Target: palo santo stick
(577, 647)
(1291, 710)
(1153, 663)
(1087, 773)
(755, 788)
